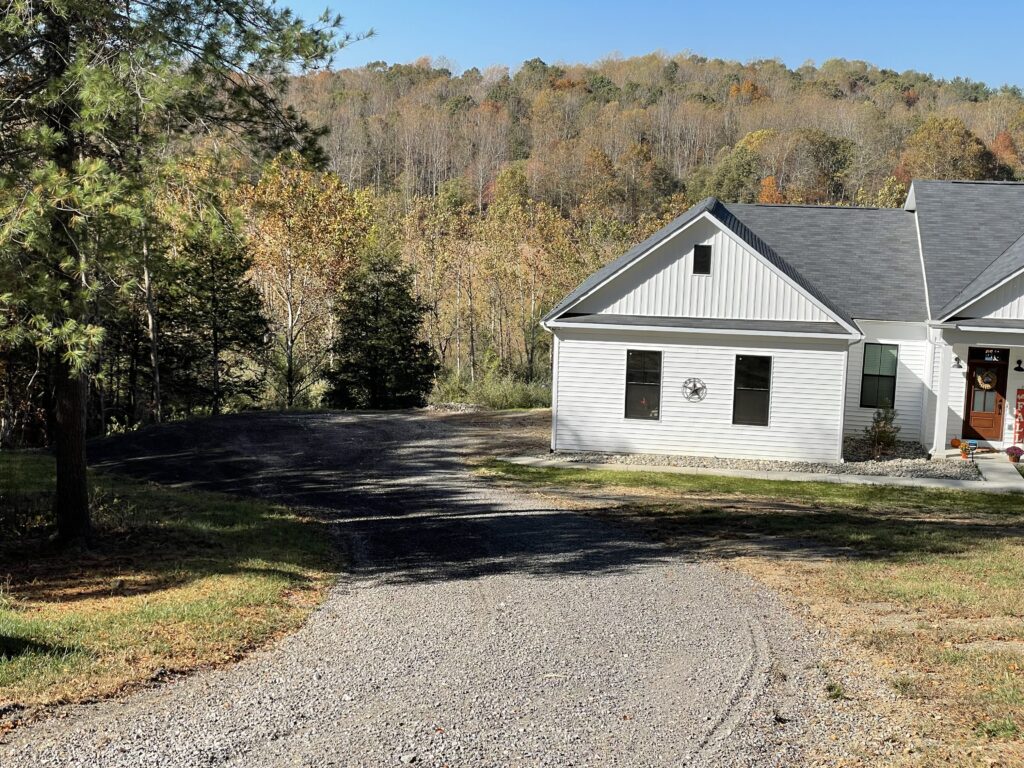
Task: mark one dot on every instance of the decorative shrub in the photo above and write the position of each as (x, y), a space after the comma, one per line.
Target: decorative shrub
(883, 432)
(1015, 452)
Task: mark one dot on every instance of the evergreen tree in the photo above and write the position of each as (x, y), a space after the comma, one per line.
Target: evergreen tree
(74, 74)
(213, 325)
(380, 361)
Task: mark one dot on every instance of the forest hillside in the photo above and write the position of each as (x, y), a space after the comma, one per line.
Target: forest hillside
(625, 135)
(511, 186)
(229, 255)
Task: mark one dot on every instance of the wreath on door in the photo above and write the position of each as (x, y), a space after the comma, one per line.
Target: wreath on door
(986, 379)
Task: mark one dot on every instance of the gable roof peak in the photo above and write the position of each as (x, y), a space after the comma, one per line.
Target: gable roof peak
(967, 229)
(715, 208)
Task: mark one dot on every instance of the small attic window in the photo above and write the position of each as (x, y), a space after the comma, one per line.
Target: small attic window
(702, 259)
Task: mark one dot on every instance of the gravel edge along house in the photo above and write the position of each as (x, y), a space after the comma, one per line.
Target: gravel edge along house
(773, 331)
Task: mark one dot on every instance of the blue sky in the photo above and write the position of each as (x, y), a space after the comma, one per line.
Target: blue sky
(937, 37)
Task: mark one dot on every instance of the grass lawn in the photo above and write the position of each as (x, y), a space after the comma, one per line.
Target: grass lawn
(173, 580)
(928, 584)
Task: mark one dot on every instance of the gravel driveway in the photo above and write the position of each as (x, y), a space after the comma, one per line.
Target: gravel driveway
(476, 626)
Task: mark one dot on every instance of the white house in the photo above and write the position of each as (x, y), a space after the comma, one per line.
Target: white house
(774, 330)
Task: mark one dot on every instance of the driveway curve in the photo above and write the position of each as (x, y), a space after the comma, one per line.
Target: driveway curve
(475, 626)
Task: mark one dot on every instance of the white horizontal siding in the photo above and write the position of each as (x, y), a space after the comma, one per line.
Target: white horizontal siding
(741, 286)
(912, 376)
(1004, 303)
(806, 397)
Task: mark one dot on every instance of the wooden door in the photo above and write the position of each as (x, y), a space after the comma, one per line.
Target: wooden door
(986, 396)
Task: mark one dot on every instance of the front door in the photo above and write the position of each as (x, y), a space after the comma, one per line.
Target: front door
(986, 393)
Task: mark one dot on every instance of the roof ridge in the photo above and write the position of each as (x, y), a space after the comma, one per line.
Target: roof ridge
(990, 182)
(822, 207)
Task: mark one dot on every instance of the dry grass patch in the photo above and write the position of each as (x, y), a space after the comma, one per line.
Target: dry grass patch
(927, 587)
(174, 580)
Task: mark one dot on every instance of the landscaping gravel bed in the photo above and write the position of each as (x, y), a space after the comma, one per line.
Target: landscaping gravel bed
(907, 460)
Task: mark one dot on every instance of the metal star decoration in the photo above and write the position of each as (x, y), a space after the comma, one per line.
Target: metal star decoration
(694, 390)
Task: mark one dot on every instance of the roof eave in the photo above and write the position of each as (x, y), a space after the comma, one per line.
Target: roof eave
(702, 331)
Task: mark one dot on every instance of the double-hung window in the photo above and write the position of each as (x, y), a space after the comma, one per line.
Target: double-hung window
(878, 379)
(643, 384)
(751, 397)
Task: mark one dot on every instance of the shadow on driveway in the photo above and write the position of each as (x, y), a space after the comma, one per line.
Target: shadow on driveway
(391, 485)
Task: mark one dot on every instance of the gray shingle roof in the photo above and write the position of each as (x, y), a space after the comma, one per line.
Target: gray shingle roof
(725, 215)
(865, 263)
(707, 323)
(859, 262)
(866, 259)
(965, 227)
(1006, 264)
(760, 239)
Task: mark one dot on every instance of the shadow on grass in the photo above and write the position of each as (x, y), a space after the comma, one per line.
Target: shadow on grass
(793, 531)
(11, 648)
(393, 487)
(149, 538)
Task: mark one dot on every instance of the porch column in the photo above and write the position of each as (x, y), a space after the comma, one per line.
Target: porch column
(942, 397)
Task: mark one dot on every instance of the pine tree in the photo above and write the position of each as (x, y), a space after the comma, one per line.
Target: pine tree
(213, 324)
(380, 360)
(73, 75)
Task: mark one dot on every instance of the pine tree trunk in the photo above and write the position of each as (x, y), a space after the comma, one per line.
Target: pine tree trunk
(68, 415)
(71, 506)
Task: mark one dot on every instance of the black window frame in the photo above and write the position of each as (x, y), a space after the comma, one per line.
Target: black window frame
(877, 378)
(641, 374)
(702, 257)
(742, 394)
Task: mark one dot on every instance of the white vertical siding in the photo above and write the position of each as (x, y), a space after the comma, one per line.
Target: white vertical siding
(1005, 302)
(806, 412)
(934, 361)
(741, 286)
(913, 373)
(957, 394)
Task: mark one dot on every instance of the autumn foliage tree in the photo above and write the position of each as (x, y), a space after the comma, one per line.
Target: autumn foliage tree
(769, 192)
(944, 148)
(1005, 150)
(305, 227)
